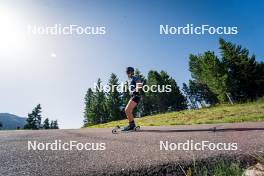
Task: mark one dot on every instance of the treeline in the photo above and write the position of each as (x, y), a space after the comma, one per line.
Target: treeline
(233, 76)
(101, 106)
(34, 120)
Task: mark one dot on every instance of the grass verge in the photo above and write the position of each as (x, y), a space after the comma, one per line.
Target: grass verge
(220, 165)
(253, 111)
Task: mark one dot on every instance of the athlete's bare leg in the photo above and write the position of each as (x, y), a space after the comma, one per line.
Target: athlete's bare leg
(129, 110)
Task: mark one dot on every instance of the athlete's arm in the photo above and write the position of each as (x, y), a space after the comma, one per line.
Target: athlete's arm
(138, 85)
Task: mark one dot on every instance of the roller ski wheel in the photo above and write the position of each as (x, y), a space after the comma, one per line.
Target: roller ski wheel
(118, 129)
(137, 128)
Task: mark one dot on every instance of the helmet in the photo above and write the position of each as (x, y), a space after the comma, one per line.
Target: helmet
(130, 70)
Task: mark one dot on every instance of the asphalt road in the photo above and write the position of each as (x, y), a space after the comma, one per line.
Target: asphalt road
(123, 152)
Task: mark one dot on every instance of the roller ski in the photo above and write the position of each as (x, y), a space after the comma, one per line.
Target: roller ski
(126, 129)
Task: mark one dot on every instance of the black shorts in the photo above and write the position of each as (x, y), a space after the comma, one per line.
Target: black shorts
(135, 98)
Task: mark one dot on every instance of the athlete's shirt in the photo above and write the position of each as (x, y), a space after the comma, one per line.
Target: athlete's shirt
(132, 83)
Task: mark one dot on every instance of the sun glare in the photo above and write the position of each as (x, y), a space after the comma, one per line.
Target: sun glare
(12, 34)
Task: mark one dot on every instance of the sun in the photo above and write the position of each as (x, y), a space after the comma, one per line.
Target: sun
(12, 34)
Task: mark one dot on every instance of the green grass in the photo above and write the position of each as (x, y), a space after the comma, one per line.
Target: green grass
(217, 169)
(222, 165)
(253, 111)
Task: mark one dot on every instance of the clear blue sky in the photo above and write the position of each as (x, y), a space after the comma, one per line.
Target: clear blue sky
(56, 71)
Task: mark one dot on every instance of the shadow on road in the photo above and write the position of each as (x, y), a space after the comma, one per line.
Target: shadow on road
(214, 129)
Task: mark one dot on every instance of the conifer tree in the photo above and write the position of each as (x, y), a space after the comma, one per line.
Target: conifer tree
(46, 124)
(34, 118)
(114, 100)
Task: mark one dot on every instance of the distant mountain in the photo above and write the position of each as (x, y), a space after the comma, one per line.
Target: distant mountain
(10, 121)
